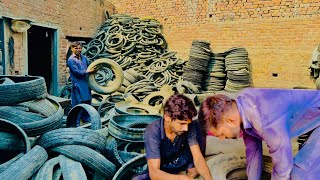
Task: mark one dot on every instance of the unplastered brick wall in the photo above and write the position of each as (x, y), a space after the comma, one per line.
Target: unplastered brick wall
(70, 18)
(278, 34)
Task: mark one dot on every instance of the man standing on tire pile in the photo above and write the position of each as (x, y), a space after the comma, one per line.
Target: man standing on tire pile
(80, 92)
(274, 116)
(174, 145)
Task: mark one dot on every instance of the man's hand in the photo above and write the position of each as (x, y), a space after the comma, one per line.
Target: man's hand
(157, 174)
(200, 163)
(94, 70)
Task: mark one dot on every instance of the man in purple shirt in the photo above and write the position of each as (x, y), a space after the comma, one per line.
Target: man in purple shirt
(80, 92)
(274, 116)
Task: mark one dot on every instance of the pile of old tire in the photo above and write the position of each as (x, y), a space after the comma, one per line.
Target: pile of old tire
(18, 160)
(33, 111)
(78, 151)
(136, 43)
(196, 68)
(126, 141)
(108, 104)
(237, 67)
(16, 89)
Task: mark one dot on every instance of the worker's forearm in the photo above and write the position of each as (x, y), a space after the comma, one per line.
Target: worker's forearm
(203, 169)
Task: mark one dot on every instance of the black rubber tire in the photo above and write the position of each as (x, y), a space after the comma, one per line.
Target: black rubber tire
(138, 161)
(11, 142)
(93, 113)
(104, 108)
(41, 106)
(120, 126)
(112, 152)
(18, 115)
(46, 171)
(127, 156)
(5, 165)
(66, 91)
(71, 170)
(25, 88)
(27, 165)
(116, 69)
(9, 127)
(220, 165)
(57, 174)
(40, 127)
(89, 157)
(73, 136)
(124, 107)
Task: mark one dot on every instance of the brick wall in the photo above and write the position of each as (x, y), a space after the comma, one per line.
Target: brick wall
(71, 18)
(278, 34)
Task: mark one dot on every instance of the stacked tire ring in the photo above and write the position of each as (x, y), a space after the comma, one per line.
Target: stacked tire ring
(216, 79)
(131, 76)
(237, 67)
(197, 65)
(142, 88)
(126, 130)
(109, 104)
(34, 117)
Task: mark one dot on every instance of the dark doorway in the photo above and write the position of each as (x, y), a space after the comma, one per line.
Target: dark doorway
(40, 53)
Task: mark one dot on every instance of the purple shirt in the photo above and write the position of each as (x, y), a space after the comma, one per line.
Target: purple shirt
(276, 116)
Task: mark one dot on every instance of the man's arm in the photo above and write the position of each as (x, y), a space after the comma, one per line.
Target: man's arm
(200, 163)
(253, 156)
(156, 174)
(278, 141)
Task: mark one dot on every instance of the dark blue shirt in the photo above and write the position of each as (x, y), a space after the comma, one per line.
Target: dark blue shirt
(80, 88)
(174, 156)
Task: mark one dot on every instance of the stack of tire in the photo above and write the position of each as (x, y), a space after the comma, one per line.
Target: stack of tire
(196, 68)
(216, 79)
(126, 142)
(28, 113)
(24, 101)
(237, 67)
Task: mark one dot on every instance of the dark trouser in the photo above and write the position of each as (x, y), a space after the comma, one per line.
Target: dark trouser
(307, 161)
(83, 114)
(141, 176)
